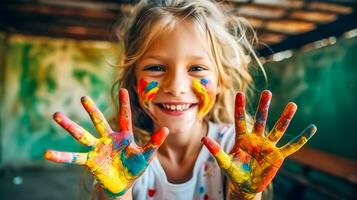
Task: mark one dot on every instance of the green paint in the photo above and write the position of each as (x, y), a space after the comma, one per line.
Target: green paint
(44, 76)
(323, 83)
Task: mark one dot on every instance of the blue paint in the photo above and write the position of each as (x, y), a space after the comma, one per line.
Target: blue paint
(201, 190)
(260, 117)
(307, 133)
(148, 153)
(121, 140)
(245, 167)
(135, 164)
(204, 81)
(151, 85)
(74, 159)
(112, 195)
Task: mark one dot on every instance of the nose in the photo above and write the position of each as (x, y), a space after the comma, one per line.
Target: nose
(176, 84)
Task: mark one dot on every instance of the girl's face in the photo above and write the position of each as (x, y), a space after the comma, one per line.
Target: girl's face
(177, 80)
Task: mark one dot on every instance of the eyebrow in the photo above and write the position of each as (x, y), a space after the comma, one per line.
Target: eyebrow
(159, 57)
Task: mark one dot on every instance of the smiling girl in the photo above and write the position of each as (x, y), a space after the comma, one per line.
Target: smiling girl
(184, 62)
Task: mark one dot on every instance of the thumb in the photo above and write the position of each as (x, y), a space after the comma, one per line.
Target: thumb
(223, 159)
(155, 142)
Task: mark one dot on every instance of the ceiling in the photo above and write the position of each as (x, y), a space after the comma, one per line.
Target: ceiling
(281, 24)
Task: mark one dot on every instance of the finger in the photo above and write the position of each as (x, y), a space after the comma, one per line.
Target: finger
(223, 159)
(97, 117)
(239, 115)
(283, 122)
(79, 133)
(155, 142)
(125, 111)
(262, 113)
(66, 157)
(296, 143)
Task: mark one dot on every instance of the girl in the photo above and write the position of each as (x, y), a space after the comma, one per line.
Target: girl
(184, 60)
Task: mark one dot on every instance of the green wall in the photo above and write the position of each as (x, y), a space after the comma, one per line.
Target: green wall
(42, 76)
(323, 83)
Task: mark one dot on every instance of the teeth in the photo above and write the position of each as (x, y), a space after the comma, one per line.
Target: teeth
(179, 107)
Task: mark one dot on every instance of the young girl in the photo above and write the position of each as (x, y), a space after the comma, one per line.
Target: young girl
(184, 60)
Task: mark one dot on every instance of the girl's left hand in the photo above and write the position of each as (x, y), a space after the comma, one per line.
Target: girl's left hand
(254, 159)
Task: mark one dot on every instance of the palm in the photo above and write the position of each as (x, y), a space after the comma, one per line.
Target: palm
(259, 164)
(254, 159)
(115, 160)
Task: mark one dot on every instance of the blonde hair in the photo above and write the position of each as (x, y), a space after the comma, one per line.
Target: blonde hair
(228, 43)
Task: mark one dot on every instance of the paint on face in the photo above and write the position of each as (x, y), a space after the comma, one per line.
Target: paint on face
(147, 91)
(203, 89)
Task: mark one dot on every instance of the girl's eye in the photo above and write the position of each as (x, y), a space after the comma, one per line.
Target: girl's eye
(154, 68)
(196, 68)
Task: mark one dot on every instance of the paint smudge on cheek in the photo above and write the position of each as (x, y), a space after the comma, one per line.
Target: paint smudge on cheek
(204, 90)
(147, 91)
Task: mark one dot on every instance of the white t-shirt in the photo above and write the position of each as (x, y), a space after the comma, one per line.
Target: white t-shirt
(207, 181)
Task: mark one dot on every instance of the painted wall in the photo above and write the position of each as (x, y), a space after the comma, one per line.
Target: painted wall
(42, 76)
(323, 83)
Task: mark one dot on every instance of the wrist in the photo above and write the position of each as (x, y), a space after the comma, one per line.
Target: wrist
(126, 194)
(235, 193)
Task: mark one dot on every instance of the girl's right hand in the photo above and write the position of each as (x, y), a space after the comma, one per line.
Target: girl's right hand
(116, 161)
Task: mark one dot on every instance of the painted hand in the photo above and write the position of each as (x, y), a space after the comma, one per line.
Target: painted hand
(254, 159)
(116, 161)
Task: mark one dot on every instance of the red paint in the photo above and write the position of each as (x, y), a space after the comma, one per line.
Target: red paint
(205, 197)
(262, 113)
(211, 145)
(141, 86)
(125, 111)
(240, 100)
(68, 125)
(151, 192)
(159, 137)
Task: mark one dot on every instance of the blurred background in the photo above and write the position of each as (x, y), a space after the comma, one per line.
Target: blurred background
(53, 52)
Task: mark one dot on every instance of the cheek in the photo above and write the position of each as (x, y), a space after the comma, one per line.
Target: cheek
(205, 92)
(146, 91)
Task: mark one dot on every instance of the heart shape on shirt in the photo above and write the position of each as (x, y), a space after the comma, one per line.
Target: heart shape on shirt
(151, 192)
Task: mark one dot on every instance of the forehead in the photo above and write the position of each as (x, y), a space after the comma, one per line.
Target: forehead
(182, 39)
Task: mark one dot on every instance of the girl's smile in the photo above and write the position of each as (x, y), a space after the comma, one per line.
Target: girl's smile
(176, 108)
(177, 80)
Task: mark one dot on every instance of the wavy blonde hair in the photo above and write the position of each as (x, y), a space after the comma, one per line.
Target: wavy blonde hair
(229, 46)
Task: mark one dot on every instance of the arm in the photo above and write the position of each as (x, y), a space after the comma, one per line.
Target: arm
(115, 160)
(254, 159)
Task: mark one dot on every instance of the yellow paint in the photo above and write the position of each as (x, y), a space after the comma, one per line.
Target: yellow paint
(207, 101)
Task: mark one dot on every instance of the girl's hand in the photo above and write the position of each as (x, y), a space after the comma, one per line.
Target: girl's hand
(116, 161)
(254, 159)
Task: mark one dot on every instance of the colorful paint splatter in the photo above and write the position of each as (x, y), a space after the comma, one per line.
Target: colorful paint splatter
(116, 161)
(254, 159)
(203, 89)
(147, 91)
